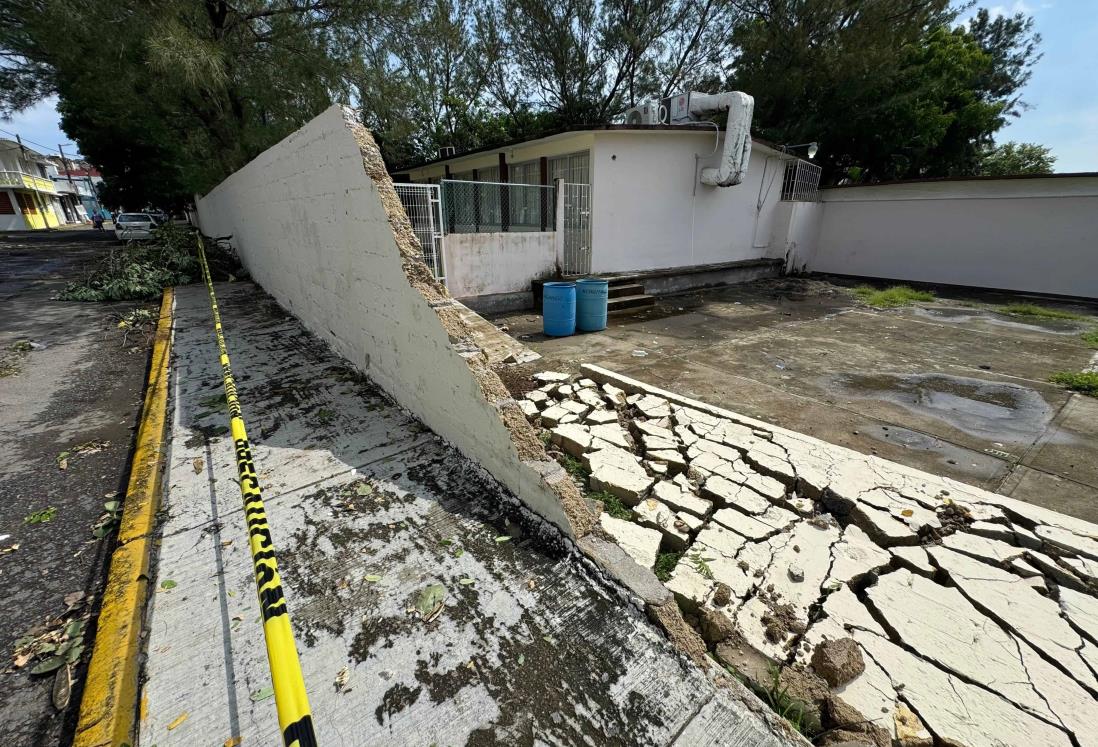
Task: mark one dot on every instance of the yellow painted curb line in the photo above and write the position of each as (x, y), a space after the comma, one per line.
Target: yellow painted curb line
(109, 707)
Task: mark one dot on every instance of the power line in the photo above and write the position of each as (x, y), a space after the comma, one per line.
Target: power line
(28, 140)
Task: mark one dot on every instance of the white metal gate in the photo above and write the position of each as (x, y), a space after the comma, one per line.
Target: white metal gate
(423, 204)
(577, 229)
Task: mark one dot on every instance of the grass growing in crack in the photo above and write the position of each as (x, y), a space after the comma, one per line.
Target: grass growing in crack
(612, 505)
(893, 297)
(1038, 312)
(574, 466)
(1090, 338)
(665, 564)
(1084, 382)
(792, 709)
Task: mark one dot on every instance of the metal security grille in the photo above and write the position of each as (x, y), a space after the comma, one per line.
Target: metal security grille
(496, 207)
(577, 229)
(801, 182)
(423, 204)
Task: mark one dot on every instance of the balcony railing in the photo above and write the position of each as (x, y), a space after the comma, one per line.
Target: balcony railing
(26, 181)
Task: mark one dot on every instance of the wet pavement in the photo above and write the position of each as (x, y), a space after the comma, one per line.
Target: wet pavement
(429, 608)
(70, 381)
(953, 387)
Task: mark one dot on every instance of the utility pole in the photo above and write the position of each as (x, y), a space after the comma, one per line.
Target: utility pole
(40, 204)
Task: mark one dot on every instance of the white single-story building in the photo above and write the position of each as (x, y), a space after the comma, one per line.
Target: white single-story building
(634, 204)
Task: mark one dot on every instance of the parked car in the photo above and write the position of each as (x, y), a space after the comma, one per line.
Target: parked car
(130, 226)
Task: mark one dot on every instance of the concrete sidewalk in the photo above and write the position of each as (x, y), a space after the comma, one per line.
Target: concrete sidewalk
(372, 516)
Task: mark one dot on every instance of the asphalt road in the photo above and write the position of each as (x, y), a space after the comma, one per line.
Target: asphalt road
(70, 381)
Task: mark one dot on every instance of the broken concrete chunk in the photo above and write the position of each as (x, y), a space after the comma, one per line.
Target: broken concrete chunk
(612, 433)
(915, 558)
(573, 438)
(655, 443)
(586, 383)
(1074, 543)
(590, 398)
(601, 417)
(854, 556)
(552, 416)
(652, 406)
(617, 471)
(724, 492)
(685, 435)
(987, 550)
(659, 469)
(529, 409)
(569, 417)
(673, 459)
(1005, 533)
(692, 522)
(883, 527)
(577, 408)
(634, 398)
(649, 429)
(548, 377)
(565, 390)
(719, 539)
(652, 513)
(678, 498)
(614, 395)
(538, 397)
(705, 446)
(641, 543)
(710, 464)
(838, 661)
(750, 527)
(766, 486)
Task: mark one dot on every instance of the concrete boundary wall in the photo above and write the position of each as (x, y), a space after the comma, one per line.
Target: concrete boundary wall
(1035, 235)
(484, 264)
(317, 223)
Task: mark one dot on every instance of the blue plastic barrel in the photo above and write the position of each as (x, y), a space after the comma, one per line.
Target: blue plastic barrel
(592, 295)
(558, 309)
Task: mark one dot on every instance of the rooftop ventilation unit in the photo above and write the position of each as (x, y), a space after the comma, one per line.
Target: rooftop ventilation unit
(650, 112)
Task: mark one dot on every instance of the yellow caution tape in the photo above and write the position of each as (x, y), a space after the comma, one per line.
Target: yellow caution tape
(294, 716)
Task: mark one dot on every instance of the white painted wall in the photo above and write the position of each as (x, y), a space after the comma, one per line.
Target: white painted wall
(311, 226)
(1037, 235)
(480, 264)
(649, 210)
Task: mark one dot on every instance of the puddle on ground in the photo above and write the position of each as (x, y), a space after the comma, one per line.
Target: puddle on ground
(981, 408)
(1052, 326)
(953, 458)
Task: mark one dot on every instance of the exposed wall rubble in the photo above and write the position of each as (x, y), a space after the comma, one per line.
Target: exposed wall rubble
(903, 607)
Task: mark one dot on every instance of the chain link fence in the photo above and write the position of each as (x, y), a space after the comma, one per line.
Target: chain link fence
(497, 207)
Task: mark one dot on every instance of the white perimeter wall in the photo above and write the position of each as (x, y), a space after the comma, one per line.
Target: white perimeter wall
(311, 226)
(649, 210)
(480, 264)
(1037, 235)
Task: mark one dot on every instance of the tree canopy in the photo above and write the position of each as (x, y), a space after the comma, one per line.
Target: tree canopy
(167, 98)
(1010, 159)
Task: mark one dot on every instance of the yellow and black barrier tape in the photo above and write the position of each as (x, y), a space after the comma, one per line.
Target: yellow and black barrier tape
(294, 716)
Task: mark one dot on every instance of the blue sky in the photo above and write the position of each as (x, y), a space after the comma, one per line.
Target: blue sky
(1063, 91)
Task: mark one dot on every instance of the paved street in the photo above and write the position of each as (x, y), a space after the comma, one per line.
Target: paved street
(70, 380)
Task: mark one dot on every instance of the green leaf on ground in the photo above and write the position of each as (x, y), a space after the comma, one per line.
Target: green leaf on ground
(429, 598)
(48, 665)
(167, 584)
(263, 693)
(373, 578)
(43, 516)
(503, 538)
(467, 581)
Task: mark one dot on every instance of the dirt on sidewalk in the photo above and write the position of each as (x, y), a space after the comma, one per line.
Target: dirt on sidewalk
(71, 384)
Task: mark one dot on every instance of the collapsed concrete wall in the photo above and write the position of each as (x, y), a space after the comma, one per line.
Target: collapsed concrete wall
(317, 223)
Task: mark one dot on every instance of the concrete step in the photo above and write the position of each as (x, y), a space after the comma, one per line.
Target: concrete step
(623, 303)
(625, 289)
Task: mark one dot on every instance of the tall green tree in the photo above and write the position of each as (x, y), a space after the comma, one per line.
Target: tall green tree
(888, 87)
(167, 98)
(1014, 158)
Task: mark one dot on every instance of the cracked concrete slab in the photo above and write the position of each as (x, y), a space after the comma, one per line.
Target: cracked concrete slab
(975, 611)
